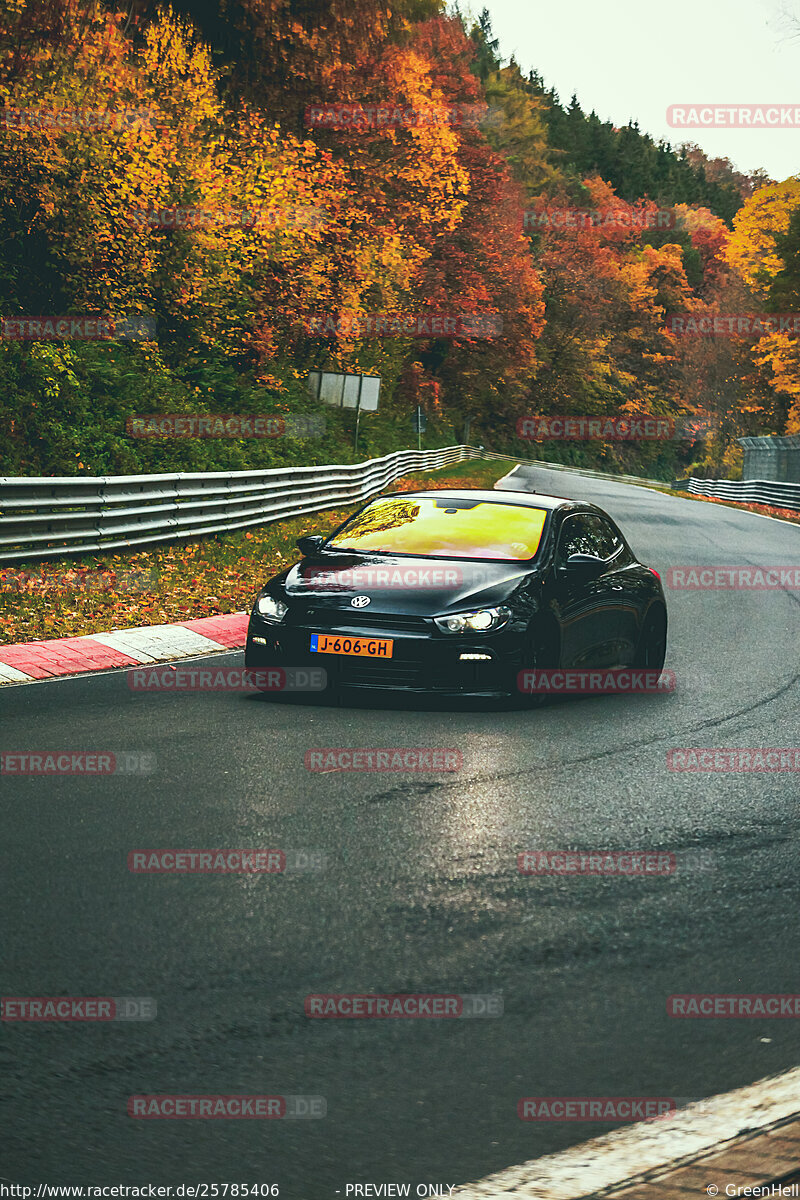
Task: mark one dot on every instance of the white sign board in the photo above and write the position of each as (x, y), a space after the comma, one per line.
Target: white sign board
(370, 391)
(352, 386)
(331, 388)
(345, 391)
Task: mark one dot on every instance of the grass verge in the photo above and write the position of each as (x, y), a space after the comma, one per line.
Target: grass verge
(219, 574)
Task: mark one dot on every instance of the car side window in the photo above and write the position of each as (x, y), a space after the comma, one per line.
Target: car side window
(575, 538)
(607, 540)
(587, 534)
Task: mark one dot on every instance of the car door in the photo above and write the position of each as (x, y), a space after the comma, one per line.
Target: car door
(581, 601)
(620, 620)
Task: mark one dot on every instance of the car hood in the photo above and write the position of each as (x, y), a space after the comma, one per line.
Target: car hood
(402, 584)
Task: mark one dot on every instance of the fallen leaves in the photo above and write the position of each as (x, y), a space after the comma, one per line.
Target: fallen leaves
(766, 510)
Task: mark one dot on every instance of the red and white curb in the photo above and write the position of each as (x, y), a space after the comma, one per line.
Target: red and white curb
(29, 661)
(625, 1156)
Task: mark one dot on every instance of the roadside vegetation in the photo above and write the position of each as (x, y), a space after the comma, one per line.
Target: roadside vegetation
(232, 221)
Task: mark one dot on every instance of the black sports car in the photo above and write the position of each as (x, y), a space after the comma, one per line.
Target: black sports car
(458, 592)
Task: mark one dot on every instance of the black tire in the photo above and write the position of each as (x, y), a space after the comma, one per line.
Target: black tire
(652, 648)
(541, 653)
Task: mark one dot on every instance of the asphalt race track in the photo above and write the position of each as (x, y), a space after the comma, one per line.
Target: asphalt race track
(421, 894)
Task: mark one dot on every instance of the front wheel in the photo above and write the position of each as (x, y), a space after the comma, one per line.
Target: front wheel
(541, 654)
(652, 648)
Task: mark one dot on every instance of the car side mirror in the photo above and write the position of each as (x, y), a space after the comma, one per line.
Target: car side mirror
(310, 543)
(584, 564)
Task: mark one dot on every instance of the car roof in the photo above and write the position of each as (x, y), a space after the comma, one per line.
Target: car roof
(522, 499)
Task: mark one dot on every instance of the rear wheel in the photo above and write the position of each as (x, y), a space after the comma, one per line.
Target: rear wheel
(652, 648)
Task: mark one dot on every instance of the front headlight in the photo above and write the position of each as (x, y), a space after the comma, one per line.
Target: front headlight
(481, 621)
(271, 609)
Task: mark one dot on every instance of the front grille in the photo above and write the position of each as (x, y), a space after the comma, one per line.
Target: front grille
(352, 618)
(372, 673)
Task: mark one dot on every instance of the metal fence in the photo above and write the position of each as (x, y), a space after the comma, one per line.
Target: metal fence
(771, 458)
(748, 491)
(50, 518)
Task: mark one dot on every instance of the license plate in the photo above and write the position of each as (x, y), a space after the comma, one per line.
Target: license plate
(328, 643)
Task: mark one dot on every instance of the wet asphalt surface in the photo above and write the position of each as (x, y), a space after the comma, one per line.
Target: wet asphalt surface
(420, 894)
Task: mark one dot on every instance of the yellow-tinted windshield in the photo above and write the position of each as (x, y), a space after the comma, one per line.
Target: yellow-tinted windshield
(431, 526)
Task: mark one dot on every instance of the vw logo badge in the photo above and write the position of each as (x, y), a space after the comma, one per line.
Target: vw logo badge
(360, 601)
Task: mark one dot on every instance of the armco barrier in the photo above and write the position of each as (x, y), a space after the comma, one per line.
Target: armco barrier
(588, 472)
(747, 491)
(50, 518)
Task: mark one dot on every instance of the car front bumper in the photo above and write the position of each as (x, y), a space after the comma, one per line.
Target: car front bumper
(420, 662)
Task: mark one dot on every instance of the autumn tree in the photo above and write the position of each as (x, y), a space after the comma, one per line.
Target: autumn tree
(765, 250)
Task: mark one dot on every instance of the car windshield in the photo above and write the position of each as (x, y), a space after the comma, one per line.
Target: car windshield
(444, 527)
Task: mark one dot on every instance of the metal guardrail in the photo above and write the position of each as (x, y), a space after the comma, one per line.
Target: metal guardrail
(748, 491)
(44, 517)
(638, 480)
(52, 517)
